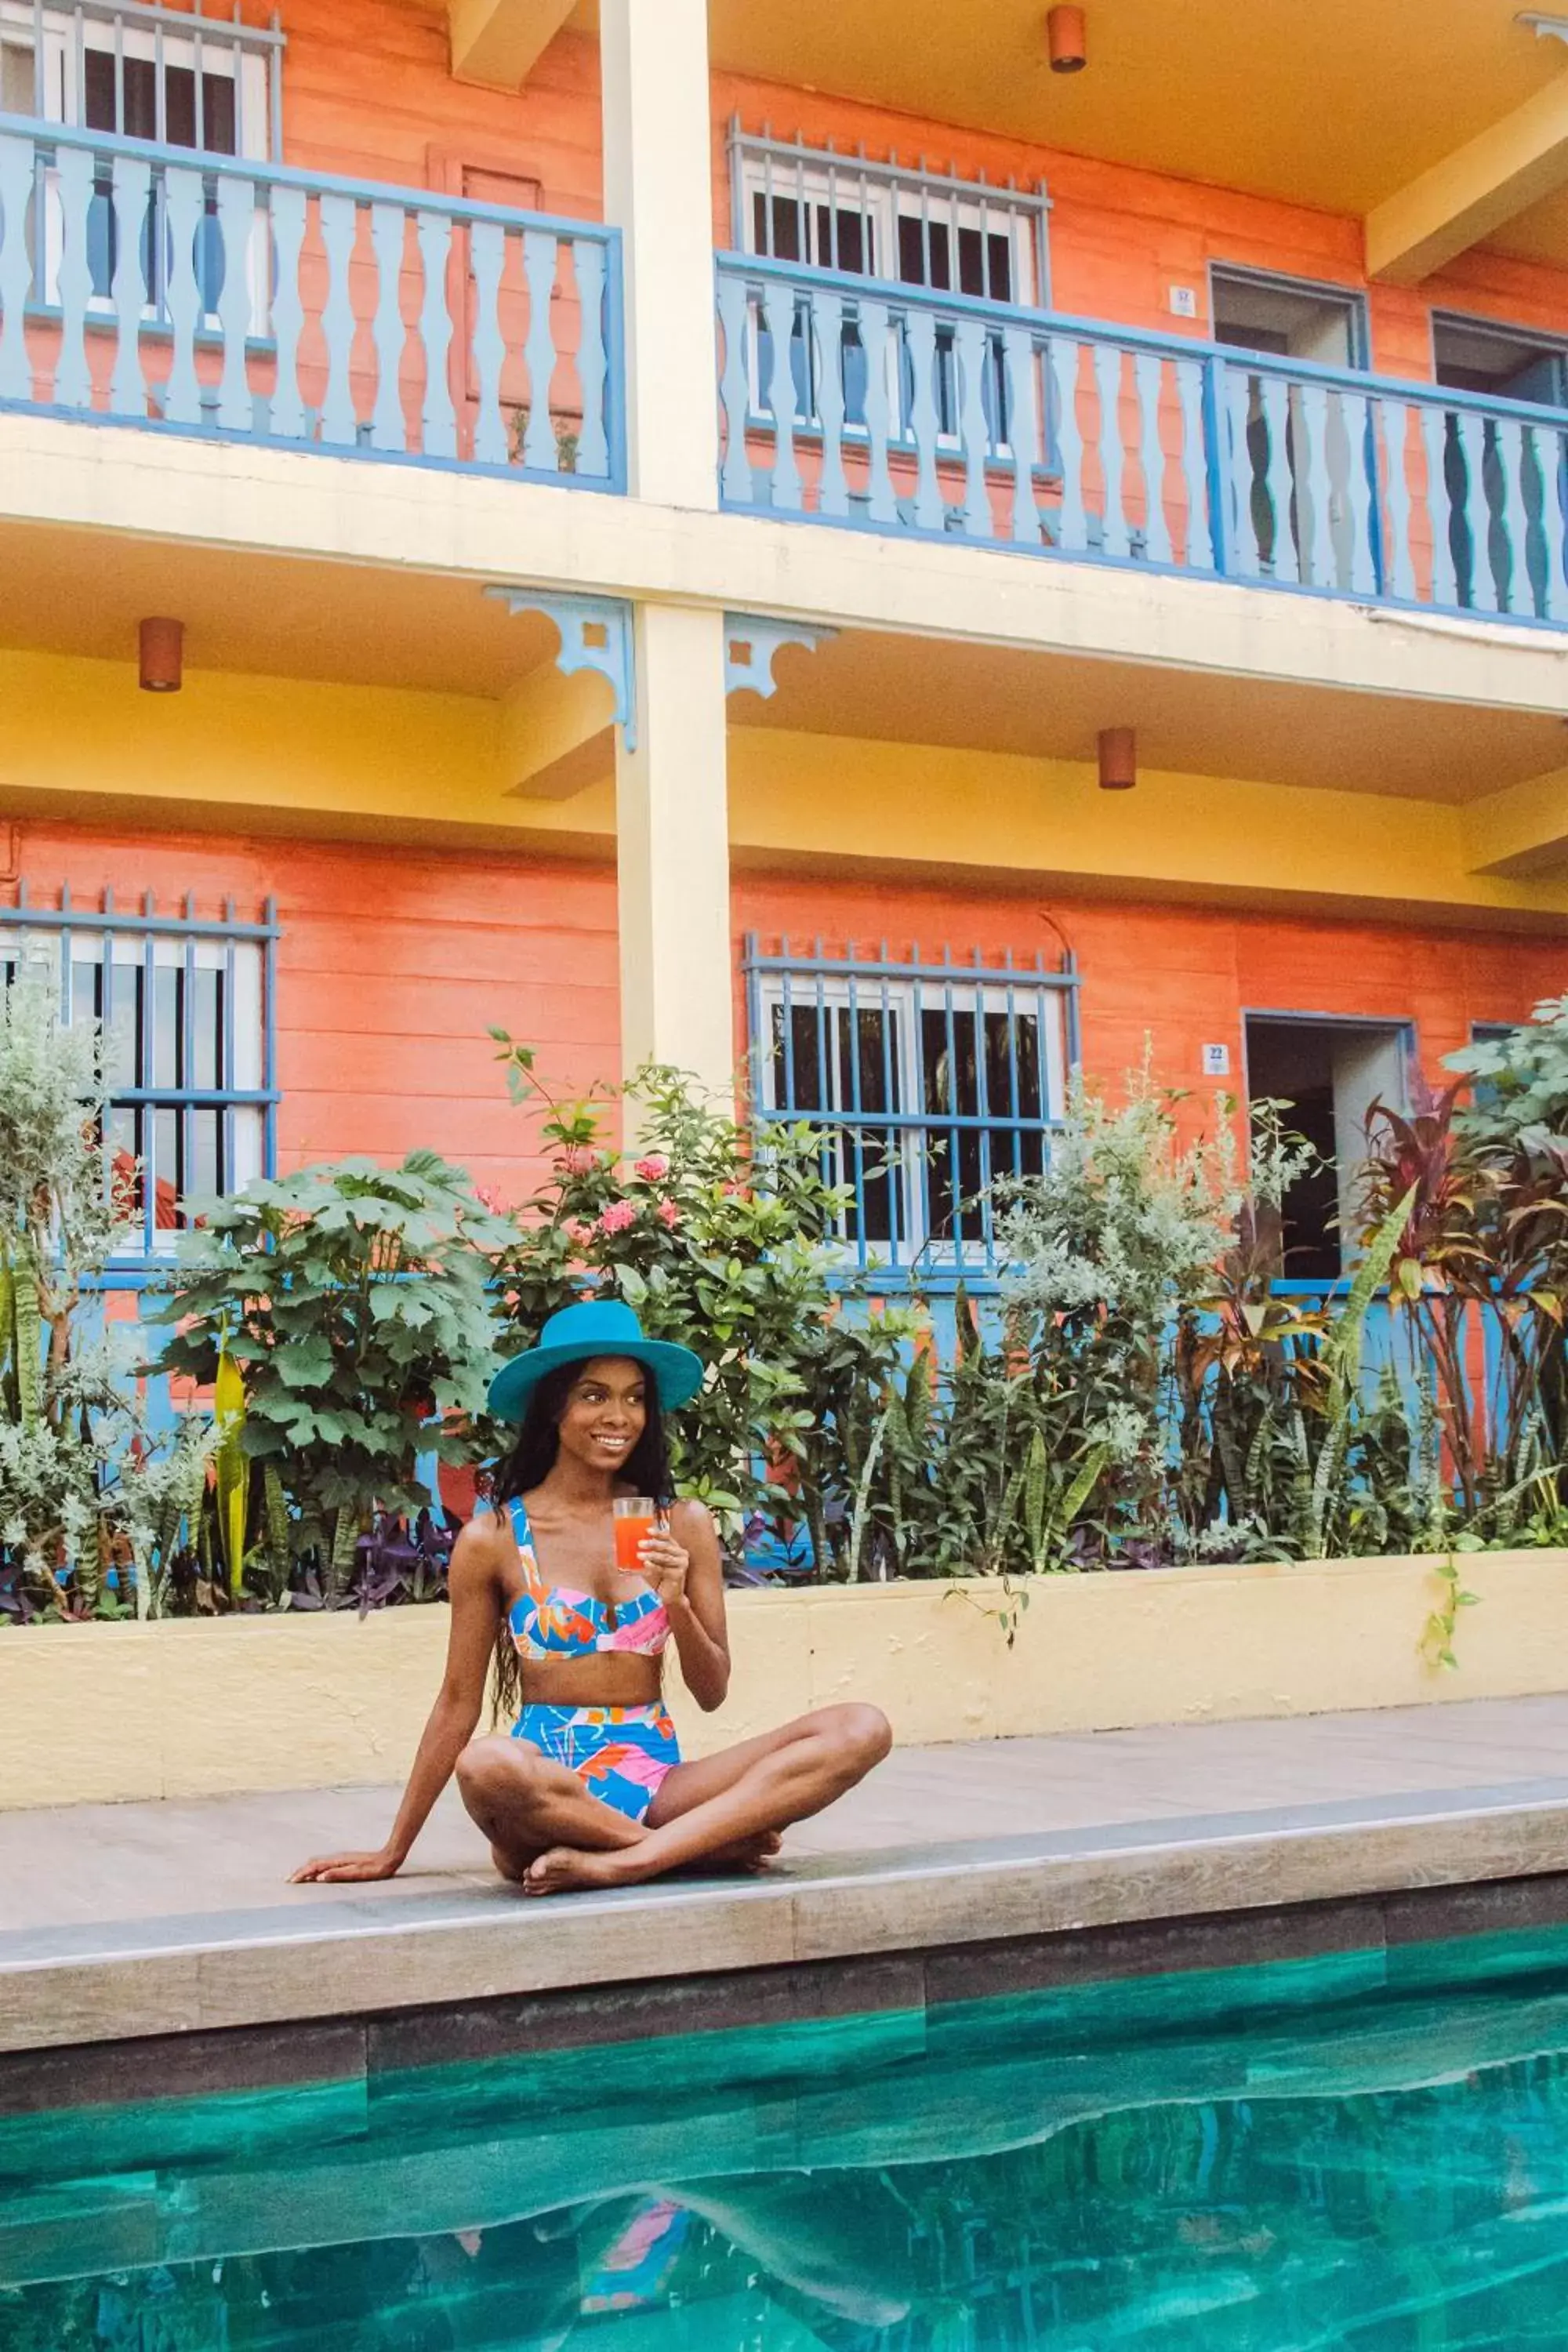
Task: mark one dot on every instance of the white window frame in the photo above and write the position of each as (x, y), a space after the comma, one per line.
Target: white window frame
(65, 102)
(1350, 299)
(882, 198)
(833, 183)
(220, 58)
(908, 1000)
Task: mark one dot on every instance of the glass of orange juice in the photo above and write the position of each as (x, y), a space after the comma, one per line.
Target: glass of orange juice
(636, 1516)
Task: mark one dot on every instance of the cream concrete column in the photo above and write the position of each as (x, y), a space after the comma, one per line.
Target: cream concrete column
(672, 814)
(673, 852)
(658, 192)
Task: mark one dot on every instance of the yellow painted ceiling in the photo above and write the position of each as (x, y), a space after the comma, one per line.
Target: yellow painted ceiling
(1052, 706)
(1542, 233)
(282, 617)
(1335, 103)
(1332, 103)
(276, 615)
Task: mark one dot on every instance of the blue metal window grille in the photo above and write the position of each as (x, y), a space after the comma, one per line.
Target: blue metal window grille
(928, 1079)
(187, 1011)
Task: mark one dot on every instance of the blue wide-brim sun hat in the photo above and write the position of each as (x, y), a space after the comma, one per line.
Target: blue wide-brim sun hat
(595, 1327)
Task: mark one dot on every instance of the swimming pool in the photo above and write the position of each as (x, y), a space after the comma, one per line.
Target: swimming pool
(1367, 2149)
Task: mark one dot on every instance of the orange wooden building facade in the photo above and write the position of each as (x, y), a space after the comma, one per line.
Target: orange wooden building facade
(394, 956)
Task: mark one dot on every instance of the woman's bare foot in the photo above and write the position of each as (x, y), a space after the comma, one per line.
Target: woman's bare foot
(564, 1869)
(748, 1854)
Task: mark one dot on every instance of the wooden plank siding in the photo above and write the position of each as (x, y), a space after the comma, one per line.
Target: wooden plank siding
(367, 92)
(1121, 238)
(1181, 976)
(391, 964)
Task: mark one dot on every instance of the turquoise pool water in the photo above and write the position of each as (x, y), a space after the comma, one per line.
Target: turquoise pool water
(1368, 2150)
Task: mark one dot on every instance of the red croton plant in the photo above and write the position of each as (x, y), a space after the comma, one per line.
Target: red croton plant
(1474, 1275)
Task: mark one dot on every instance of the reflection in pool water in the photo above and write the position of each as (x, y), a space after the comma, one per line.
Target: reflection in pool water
(1358, 2150)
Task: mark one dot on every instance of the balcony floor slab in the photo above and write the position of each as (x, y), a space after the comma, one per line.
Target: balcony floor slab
(251, 497)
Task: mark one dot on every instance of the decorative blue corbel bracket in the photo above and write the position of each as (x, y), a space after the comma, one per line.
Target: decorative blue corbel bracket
(749, 645)
(595, 633)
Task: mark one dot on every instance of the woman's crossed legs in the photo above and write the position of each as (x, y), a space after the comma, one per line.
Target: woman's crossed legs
(547, 1833)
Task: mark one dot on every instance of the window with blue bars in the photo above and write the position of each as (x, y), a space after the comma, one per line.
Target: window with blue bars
(929, 1080)
(186, 1009)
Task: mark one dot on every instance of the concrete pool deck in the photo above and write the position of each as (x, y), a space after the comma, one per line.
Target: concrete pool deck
(142, 1924)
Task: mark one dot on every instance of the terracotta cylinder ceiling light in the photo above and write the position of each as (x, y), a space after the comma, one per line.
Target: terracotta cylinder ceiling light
(162, 656)
(1118, 760)
(1066, 40)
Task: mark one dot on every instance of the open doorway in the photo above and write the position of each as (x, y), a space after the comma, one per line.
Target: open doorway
(1330, 1073)
(1502, 362)
(1289, 317)
(1476, 356)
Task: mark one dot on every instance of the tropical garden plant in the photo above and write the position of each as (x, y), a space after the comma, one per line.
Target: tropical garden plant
(1144, 1389)
(1515, 1124)
(342, 1317)
(1103, 1249)
(93, 1516)
(723, 1235)
(1144, 1394)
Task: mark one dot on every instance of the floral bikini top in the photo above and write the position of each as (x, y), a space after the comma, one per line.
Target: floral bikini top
(553, 1622)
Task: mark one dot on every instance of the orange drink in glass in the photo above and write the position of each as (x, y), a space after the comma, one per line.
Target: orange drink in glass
(636, 1516)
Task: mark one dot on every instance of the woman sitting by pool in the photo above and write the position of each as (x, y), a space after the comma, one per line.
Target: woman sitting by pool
(589, 1790)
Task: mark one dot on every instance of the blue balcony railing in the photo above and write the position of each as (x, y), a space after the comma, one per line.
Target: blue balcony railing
(850, 401)
(148, 285)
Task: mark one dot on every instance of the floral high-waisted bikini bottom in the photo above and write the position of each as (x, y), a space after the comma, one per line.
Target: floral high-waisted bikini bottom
(621, 1754)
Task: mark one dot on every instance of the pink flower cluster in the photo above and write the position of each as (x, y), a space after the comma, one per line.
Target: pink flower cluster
(618, 1216)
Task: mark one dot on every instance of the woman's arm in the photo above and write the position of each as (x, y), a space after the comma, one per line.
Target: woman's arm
(684, 1566)
(474, 1584)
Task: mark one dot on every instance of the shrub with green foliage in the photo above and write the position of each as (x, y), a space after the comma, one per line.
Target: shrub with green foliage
(1516, 1126)
(91, 1514)
(1144, 1391)
(1103, 1249)
(725, 1239)
(354, 1303)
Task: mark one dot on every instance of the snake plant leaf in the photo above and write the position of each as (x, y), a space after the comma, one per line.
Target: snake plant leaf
(29, 1338)
(9, 1403)
(232, 1468)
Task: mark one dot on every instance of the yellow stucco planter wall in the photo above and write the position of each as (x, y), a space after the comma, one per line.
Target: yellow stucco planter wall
(99, 1712)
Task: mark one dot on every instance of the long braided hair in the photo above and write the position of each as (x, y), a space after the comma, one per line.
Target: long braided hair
(533, 1457)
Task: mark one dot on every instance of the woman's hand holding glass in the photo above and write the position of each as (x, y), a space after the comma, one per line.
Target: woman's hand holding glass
(666, 1563)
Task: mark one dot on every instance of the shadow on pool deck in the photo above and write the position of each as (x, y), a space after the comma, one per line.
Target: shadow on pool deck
(152, 1920)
